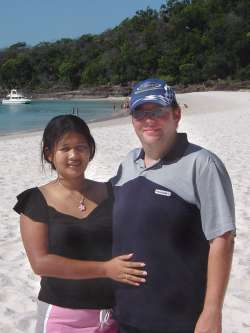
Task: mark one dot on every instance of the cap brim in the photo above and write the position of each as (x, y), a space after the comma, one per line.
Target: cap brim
(142, 101)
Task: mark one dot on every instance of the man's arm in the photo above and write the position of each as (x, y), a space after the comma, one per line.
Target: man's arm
(219, 267)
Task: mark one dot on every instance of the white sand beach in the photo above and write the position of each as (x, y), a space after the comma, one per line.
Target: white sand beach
(219, 121)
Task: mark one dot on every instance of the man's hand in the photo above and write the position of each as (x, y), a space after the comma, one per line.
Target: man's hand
(209, 322)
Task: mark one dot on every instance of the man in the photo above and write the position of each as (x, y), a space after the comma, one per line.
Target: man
(174, 210)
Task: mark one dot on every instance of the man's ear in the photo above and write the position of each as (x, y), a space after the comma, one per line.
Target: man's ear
(177, 114)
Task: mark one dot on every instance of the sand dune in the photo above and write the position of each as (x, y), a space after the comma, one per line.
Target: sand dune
(217, 120)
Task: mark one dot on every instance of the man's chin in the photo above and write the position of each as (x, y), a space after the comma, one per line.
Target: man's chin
(151, 139)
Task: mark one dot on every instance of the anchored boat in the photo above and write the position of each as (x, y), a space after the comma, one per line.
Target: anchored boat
(15, 98)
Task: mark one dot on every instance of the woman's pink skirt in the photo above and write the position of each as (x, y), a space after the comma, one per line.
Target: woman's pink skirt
(55, 319)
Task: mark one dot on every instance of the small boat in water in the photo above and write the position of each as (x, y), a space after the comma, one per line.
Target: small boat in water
(15, 98)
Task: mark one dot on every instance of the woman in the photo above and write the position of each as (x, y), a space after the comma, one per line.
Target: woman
(66, 228)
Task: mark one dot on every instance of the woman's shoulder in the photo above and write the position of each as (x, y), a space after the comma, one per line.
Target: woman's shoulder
(46, 189)
(28, 193)
(99, 190)
(32, 203)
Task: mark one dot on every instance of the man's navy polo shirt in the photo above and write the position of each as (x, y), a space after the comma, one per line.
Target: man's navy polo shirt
(166, 214)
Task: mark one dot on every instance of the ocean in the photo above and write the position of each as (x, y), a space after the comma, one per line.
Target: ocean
(34, 116)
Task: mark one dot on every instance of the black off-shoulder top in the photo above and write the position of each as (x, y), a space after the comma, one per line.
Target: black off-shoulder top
(88, 238)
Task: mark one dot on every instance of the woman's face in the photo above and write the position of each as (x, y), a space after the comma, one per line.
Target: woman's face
(70, 156)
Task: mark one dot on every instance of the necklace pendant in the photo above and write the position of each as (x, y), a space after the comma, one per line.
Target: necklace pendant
(82, 207)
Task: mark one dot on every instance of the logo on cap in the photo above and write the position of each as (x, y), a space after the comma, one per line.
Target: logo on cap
(147, 86)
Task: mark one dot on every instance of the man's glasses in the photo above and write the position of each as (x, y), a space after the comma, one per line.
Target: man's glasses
(156, 113)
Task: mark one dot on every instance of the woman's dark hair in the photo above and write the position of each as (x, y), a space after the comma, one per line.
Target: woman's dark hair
(57, 128)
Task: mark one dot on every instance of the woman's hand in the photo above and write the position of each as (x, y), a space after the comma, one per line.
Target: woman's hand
(122, 270)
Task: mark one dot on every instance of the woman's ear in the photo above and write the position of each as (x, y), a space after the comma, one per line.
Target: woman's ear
(48, 154)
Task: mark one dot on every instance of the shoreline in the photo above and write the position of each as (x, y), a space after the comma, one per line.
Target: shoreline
(122, 91)
(38, 131)
(183, 98)
(89, 98)
(64, 96)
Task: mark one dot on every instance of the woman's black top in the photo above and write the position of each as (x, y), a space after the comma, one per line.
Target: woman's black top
(87, 238)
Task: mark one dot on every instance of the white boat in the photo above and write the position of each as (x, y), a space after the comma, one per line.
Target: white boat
(15, 98)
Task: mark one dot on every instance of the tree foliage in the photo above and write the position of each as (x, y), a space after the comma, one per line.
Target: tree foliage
(184, 42)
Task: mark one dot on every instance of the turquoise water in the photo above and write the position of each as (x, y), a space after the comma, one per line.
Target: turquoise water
(34, 116)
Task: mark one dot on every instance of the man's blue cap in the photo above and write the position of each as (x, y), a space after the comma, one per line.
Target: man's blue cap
(152, 91)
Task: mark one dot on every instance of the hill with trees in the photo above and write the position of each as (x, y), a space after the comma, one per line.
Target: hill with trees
(185, 42)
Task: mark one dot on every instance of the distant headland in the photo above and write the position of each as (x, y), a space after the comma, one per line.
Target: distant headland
(193, 45)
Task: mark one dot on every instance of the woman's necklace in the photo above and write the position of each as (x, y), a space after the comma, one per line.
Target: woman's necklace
(82, 203)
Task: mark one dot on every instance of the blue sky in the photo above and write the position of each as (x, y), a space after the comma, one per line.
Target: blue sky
(34, 21)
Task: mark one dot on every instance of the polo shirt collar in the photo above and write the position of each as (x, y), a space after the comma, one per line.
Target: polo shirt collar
(175, 152)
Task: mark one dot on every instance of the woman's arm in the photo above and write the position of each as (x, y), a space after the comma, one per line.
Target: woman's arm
(35, 240)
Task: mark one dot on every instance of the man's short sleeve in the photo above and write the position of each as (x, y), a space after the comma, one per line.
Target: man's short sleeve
(215, 197)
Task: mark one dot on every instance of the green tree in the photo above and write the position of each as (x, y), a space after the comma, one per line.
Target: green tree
(185, 42)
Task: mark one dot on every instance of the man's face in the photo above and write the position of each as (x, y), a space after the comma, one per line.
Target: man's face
(154, 129)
